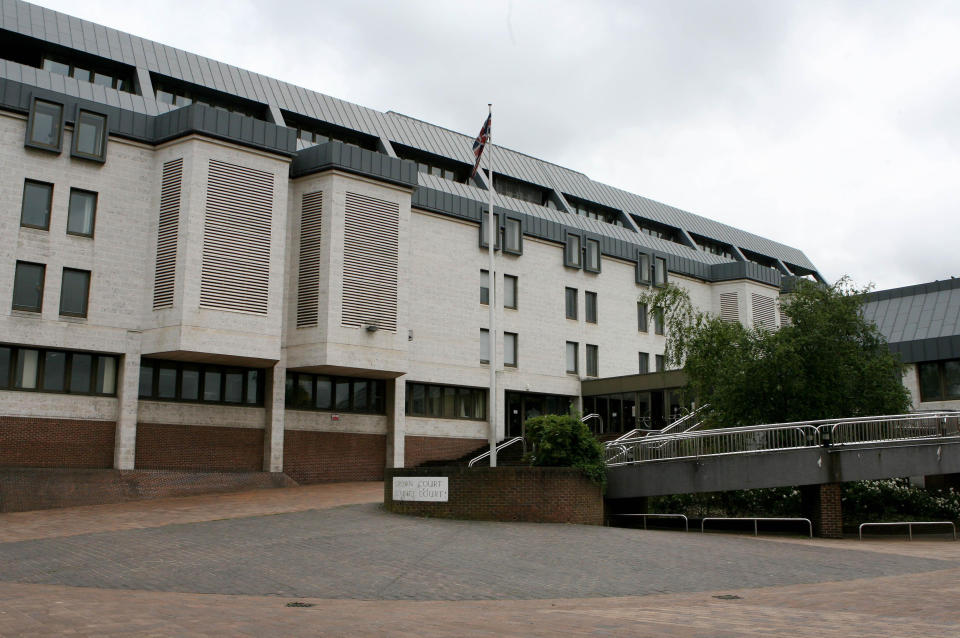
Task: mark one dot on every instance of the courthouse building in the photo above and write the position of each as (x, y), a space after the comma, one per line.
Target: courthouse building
(204, 268)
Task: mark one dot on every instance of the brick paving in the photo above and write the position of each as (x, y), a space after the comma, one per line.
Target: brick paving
(139, 571)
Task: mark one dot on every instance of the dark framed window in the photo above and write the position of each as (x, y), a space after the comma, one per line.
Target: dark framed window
(89, 71)
(659, 271)
(57, 371)
(939, 380)
(510, 349)
(484, 345)
(89, 136)
(37, 201)
(74, 292)
(590, 307)
(593, 360)
(658, 321)
(592, 263)
(485, 232)
(572, 357)
(512, 236)
(641, 317)
(484, 287)
(308, 391)
(644, 362)
(572, 252)
(28, 286)
(643, 268)
(165, 380)
(661, 363)
(45, 126)
(446, 402)
(570, 296)
(510, 285)
(82, 212)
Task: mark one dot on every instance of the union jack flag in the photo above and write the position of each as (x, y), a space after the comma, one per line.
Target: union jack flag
(481, 143)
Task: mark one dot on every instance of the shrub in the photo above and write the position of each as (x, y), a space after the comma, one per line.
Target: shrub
(564, 441)
(897, 500)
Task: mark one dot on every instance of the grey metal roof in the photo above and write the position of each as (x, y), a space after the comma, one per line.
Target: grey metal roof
(921, 322)
(68, 31)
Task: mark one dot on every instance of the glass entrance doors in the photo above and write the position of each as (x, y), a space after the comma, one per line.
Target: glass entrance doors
(525, 405)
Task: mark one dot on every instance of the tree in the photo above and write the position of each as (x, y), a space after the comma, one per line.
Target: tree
(562, 440)
(826, 362)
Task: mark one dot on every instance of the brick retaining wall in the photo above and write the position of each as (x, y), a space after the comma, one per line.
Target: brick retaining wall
(419, 449)
(198, 448)
(318, 457)
(530, 494)
(41, 442)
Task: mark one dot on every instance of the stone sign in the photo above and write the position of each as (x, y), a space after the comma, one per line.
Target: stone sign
(420, 488)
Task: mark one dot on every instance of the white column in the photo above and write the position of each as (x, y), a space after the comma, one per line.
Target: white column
(396, 421)
(274, 389)
(128, 390)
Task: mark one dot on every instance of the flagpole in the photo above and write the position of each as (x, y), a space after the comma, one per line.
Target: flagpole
(492, 333)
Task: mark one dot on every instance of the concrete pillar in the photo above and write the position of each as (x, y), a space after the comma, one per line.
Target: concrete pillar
(822, 505)
(396, 421)
(274, 400)
(128, 391)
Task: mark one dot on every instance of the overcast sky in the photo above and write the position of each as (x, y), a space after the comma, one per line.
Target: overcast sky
(833, 127)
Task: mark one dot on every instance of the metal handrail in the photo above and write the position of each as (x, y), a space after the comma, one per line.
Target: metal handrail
(683, 420)
(593, 415)
(755, 519)
(686, 521)
(499, 447)
(782, 436)
(910, 525)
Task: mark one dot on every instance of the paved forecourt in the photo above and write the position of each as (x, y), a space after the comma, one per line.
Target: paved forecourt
(366, 572)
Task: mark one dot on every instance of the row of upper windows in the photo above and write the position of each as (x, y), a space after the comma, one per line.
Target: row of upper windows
(28, 282)
(86, 73)
(446, 401)
(38, 202)
(573, 359)
(47, 370)
(162, 380)
(307, 391)
(45, 126)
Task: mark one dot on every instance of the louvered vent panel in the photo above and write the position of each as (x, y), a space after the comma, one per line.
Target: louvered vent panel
(784, 319)
(308, 280)
(236, 238)
(164, 275)
(764, 311)
(729, 307)
(370, 252)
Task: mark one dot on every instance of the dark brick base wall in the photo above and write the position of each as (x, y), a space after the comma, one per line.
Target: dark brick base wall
(419, 449)
(531, 494)
(30, 442)
(35, 489)
(822, 505)
(197, 448)
(319, 457)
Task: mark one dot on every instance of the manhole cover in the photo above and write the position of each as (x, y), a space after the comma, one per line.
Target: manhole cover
(728, 597)
(299, 604)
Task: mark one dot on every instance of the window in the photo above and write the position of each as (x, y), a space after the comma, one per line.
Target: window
(90, 136)
(74, 292)
(60, 371)
(939, 380)
(641, 316)
(661, 366)
(35, 210)
(658, 321)
(484, 287)
(307, 391)
(644, 362)
(590, 307)
(593, 363)
(510, 349)
(572, 357)
(28, 286)
(593, 256)
(485, 231)
(510, 291)
(659, 271)
(484, 345)
(571, 299)
(45, 126)
(87, 73)
(162, 380)
(571, 254)
(643, 268)
(512, 236)
(446, 402)
(82, 211)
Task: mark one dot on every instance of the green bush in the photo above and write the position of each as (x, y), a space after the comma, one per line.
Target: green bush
(774, 501)
(897, 500)
(564, 441)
